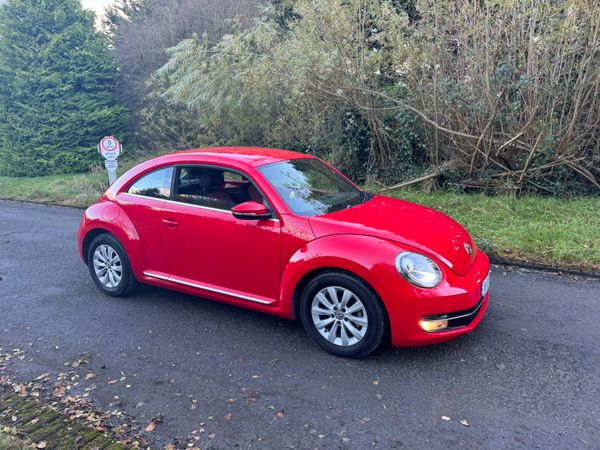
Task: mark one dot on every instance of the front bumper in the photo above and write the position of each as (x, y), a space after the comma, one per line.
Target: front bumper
(457, 299)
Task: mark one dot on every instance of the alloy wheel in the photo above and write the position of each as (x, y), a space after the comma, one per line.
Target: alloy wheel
(340, 316)
(108, 266)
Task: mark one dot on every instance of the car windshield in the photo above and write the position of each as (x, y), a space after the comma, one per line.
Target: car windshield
(311, 188)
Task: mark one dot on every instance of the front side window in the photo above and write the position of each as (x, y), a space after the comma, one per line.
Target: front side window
(156, 184)
(311, 188)
(214, 187)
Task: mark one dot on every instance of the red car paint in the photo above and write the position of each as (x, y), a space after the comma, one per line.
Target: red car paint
(259, 264)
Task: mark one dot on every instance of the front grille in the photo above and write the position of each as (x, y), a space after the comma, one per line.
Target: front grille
(458, 319)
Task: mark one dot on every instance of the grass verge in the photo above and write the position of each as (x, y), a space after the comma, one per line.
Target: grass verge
(545, 230)
(77, 190)
(70, 190)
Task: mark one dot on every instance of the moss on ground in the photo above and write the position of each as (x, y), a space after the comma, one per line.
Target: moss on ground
(25, 421)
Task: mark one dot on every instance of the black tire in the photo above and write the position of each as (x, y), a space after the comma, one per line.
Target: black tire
(128, 283)
(375, 330)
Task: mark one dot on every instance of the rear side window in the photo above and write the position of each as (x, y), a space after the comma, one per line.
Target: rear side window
(156, 184)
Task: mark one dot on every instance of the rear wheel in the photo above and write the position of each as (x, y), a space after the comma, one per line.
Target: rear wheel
(110, 267)
(342, 314)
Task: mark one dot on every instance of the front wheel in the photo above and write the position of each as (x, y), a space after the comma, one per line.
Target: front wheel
(110, 267)
(342, 314)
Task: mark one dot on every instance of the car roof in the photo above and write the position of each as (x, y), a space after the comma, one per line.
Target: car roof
(253, 156)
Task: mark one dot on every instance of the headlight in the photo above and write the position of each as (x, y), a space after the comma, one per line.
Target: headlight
(418, 269)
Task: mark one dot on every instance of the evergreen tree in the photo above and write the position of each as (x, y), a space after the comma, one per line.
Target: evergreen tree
(56, 88)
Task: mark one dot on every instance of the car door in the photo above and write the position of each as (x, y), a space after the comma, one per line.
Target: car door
(207, 247)
(143, 202)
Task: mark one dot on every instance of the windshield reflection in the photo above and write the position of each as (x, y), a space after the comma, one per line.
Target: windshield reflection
(311, 188)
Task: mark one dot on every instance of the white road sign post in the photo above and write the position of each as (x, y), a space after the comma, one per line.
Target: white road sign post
(110, 149)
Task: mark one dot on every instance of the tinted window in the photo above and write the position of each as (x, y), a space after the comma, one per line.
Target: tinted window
(156, 184)
(311, 188)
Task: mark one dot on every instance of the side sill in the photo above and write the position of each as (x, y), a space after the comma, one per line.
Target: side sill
(207, 288)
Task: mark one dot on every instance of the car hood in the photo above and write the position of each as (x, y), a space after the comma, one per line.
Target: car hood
(407, 223)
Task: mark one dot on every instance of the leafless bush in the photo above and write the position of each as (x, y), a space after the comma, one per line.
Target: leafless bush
(141, 31)
(506, 92)
(510, 90)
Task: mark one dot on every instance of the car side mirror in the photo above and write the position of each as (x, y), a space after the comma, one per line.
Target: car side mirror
(251, 211)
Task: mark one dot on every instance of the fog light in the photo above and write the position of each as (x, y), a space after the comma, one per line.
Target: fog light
(433, 325)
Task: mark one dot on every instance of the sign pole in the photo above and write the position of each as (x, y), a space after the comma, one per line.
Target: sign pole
(111, 167)
(110, 149)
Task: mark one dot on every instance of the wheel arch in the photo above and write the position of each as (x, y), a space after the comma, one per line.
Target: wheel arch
(89, 237)
(369, 259)
(303, 282)
(121, 228)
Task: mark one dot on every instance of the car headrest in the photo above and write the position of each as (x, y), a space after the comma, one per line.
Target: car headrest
(208, 178)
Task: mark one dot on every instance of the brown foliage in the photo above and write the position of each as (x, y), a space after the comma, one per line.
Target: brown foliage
(510, 90)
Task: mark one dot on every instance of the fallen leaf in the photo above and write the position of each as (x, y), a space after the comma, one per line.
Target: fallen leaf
(34, 421)
(228, 416)
(280, 414)
(59, 391)
(464, 422)
(446, 418)
(169, 447)
(113, 381)
(89, 376)
(212, 435)
(151, 426)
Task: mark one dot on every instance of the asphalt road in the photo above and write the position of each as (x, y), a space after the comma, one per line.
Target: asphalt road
(528, 377)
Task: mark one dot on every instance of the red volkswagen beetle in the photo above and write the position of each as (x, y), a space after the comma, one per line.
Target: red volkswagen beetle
(286, 234)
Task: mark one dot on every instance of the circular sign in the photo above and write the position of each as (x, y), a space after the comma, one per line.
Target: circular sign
(109, 148)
